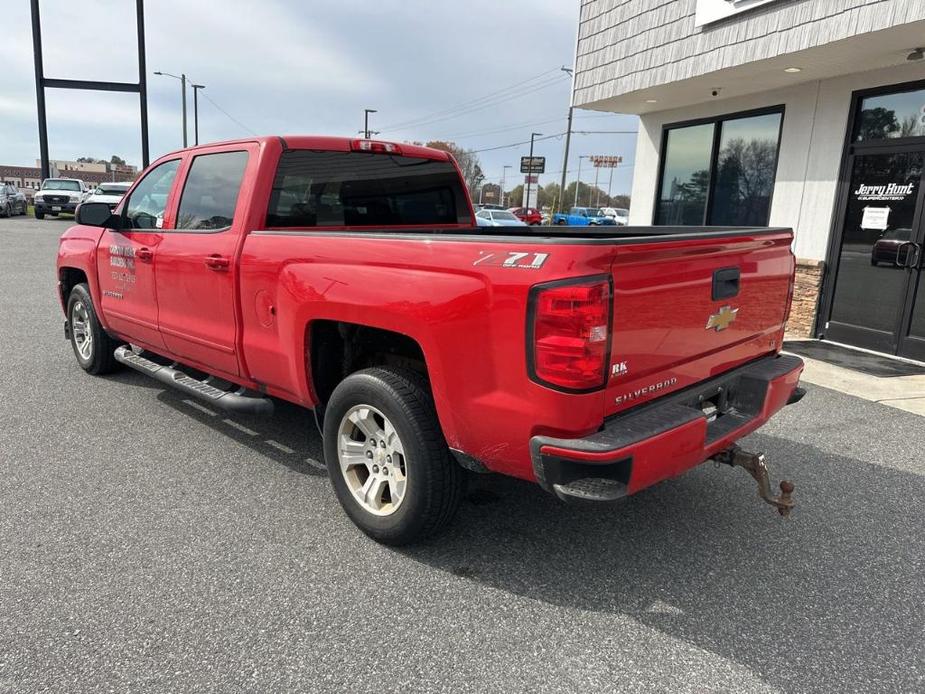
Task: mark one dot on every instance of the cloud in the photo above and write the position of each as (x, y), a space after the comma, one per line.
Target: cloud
(291, 66)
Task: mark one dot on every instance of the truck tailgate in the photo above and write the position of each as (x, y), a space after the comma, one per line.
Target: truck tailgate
(687, 310)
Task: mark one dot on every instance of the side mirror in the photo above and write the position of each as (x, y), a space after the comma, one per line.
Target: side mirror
(97, 214)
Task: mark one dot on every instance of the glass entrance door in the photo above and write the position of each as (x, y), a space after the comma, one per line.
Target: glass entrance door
(879, 298)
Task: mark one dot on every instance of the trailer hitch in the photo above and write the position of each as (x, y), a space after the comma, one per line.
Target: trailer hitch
(754, 464)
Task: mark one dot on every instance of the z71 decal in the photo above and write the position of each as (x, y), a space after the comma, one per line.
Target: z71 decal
(524, 260)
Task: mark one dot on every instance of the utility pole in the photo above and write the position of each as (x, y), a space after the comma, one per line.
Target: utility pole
(597, 171)
(196, 88)
(568, 138)
(578, 180)
(503, 175)
(366, 112)
(182, 79)
(530, 174)
(609, 186)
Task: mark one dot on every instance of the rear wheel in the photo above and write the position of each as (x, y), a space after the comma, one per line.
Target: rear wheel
(93, 348)
(561, 222)
(388, 461)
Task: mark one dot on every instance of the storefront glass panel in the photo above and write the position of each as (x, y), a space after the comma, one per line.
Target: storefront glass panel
(891, 116)
(745, 168)
(685, 175)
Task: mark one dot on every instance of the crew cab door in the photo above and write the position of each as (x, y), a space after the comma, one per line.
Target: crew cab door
(125, 257)
(197, 260)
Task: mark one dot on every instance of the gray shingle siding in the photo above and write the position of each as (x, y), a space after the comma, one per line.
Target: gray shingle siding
(628, 45)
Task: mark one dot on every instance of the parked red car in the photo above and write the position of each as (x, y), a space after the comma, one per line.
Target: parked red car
(349, 277)
(528, 215)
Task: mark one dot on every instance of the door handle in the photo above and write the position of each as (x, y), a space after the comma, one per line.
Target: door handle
(217, 262)
(144, 254)
(912, 256)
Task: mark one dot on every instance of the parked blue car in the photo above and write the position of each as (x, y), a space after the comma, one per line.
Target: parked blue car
(583, 216)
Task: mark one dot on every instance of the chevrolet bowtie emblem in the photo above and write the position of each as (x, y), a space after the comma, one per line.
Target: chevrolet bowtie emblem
(722, 318)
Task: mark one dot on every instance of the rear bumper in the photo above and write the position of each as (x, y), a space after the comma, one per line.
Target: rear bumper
(668, 436)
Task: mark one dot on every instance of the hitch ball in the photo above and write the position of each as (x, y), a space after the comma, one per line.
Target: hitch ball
(754, 464)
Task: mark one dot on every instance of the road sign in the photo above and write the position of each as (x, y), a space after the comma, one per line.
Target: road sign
(531, 179)
(535, 166)
(606, 162)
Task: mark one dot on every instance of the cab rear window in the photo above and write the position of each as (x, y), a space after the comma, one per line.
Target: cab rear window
(360, 189)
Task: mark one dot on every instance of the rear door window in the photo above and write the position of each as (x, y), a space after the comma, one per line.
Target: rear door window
(360, 189)
(210, 193)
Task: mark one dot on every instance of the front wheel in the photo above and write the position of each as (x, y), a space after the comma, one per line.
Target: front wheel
(93, 348)
(388, 461)
(39, 215)
(7, 210)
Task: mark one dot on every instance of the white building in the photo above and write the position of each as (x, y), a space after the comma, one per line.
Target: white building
(807, 114)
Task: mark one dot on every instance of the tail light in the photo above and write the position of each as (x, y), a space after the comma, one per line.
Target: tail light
(568, 333)
(375, 146)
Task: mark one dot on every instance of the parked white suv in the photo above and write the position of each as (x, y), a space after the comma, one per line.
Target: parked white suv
(618, 214)
(59, 195)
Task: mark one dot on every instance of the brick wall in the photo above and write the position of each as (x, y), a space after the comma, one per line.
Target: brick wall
(805, 297)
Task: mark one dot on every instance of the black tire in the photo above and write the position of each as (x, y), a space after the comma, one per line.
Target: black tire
(101, 358)
(434, 480)
(561, 223)
(39, 215)
(7, 210)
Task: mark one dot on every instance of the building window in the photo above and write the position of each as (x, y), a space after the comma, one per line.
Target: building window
(719, 172)
(891, 116)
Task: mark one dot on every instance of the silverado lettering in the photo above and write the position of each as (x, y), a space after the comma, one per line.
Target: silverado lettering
(349, 277)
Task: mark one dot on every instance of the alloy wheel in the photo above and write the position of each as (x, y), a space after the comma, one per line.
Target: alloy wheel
(80, 328)
(372, 460)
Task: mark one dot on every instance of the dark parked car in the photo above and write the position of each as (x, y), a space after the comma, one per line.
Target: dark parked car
(528, 215)
(887, 246)
(12, 201)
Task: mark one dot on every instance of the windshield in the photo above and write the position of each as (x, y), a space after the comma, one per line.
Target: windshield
(595, 213)
(505, 215)
(110, 190)
(60, 185)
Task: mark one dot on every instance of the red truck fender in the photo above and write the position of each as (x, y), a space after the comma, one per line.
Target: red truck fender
(382, 303)
(77, 252)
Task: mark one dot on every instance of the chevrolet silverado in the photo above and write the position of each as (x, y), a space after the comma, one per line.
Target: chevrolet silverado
(349, 277)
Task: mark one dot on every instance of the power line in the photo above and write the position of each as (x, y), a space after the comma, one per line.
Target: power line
(516, 144)
(468, 103)
(479, 107)
(558, 135)
(212, 101)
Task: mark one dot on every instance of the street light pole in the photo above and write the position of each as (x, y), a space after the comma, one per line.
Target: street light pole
(196, 88)
(503, 176)
(182, 79)
(366, 112)
(530, 174)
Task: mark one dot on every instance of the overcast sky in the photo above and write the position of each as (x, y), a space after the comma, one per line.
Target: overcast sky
(481, 73)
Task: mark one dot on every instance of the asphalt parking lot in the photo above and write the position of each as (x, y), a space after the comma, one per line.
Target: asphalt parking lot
(149, 544)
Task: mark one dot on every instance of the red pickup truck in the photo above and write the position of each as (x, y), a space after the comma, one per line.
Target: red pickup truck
(347, 276)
